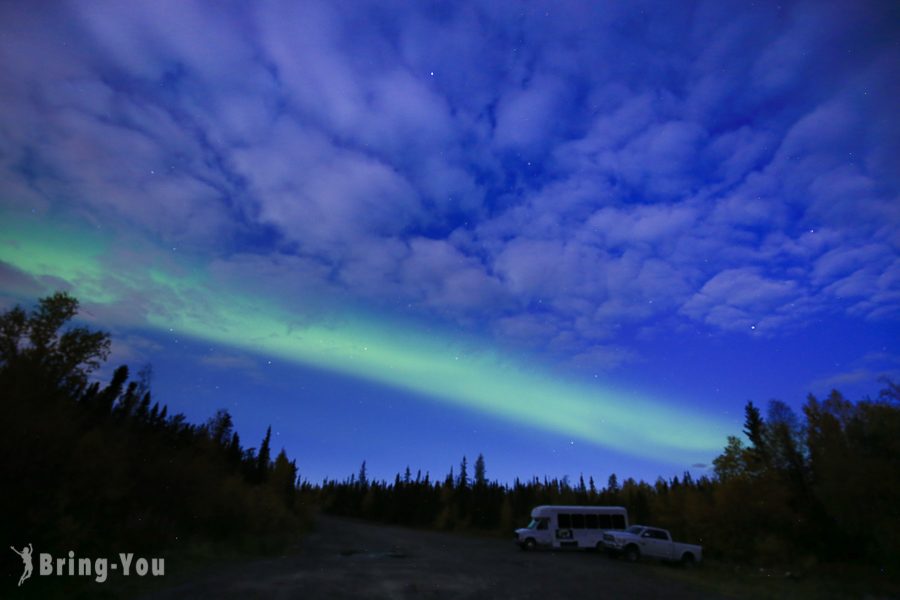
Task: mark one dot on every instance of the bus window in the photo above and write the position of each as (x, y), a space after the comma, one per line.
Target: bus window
(618, 522)
(605, 521)
(591, 522)
(578, 521)
(564, 520)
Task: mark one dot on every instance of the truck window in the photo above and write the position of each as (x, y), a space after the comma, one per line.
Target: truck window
(564, 520)
(591, 522)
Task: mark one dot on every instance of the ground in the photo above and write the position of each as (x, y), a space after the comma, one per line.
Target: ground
(345, 558)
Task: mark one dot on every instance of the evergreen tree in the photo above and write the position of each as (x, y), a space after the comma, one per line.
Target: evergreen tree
(142, 414)
(263, 457)
(362, 480)
(612, 484)
(125, 406)
(754, 430)
(463, 481)
(284, 477)
(77, 469)
(108, 395)
(480, 473)
(220, 428)
(234, 451)
(783, 440)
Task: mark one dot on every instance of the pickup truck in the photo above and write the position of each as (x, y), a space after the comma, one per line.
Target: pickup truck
(640, 540)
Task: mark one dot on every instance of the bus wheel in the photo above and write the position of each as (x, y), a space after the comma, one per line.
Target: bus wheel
(632, 554)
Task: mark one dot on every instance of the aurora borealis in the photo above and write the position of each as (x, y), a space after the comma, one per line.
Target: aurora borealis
(452, 370)
(575, 237)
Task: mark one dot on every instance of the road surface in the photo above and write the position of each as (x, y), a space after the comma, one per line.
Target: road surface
(345, 558)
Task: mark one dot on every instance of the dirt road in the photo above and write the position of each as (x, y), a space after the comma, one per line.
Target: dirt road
(351, 559)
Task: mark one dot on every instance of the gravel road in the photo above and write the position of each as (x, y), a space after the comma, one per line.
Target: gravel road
(344, 558)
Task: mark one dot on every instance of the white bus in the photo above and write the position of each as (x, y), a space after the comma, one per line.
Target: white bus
(570, 526)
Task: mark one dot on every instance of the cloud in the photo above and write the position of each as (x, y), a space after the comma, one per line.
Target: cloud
(742, 299)
(876, 291)
(660, 160)
(604, 358)
(526, 117)
(532, 267)
(17, 285)
(549, 175)
(642, 224)
(863, 370)
(446, 279)
(843, 261)
(132, 350)
(741, 211)
(323, 196)
(230, 362)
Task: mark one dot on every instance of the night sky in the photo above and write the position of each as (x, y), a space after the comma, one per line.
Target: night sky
(575, 236)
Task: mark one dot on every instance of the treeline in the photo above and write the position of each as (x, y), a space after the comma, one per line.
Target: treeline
(104, 467)
(463, 503)
(822, 488)
(96, 467)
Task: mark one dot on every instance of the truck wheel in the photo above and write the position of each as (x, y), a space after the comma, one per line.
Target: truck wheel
(687, 561)
(529, 545)
(632, 553)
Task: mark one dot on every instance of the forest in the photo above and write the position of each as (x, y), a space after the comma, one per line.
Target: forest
(821, 489)
(104, 467)
(95, 466)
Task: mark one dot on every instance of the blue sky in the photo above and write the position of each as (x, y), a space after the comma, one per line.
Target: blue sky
(643, 213)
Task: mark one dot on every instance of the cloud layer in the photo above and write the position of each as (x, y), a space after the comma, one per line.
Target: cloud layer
(549, 174)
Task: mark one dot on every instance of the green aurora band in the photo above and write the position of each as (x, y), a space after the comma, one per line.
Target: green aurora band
(117, 272)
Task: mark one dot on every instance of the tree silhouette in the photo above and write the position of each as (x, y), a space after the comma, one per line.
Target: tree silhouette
(612, 484)
(754, 427)
(220, 428)
(480, 473)
(31, 344)
(363, 479)
(94, 466)
(463, 481)
(804, 500)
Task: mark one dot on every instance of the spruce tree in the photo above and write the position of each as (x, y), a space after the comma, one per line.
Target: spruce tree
(262, 459)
